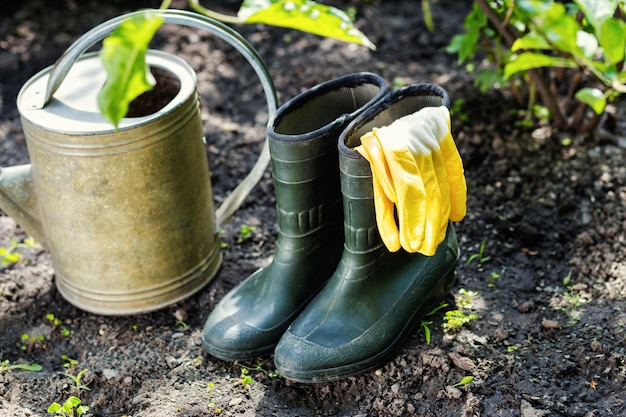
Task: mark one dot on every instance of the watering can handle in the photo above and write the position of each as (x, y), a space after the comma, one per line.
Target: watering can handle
(185, 18)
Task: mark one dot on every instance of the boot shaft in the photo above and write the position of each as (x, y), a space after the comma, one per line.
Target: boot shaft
(303, 149)
(361, 231)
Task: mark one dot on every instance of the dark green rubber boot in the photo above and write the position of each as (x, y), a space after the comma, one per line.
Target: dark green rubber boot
(251, 318)
(375, 298)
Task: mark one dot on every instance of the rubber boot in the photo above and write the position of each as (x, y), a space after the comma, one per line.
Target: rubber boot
(375, 298)
(251, 318)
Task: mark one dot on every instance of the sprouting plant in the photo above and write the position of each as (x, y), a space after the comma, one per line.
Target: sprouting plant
(512, 348)
(54, 321)
(223, 245)
(245, 377)
(573, 301)
(426, 323)
(465, 297)
(11, 255)
(455, 319)
(210, 403)
(480, 255)
(30, 342)
(245, 233)
(491, 279)
(78, 385)
(466, 380)
(6, 366)
(182, 324)
(70, 408)
(69, 364)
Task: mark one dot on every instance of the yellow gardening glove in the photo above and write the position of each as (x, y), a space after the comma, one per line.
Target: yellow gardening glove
(416, 170)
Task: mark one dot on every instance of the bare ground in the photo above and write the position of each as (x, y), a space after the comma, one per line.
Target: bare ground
(545, 211)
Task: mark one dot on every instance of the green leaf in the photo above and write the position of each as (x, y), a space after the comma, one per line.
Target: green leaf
(73, 401)
(532, 40)
(304, 15)
(465, 381)
(488, 78)
(596, 11)
(427, 334)
(612, 40)
(587, 43)
(551, 21)
(593, 97)
(28, 367)
(123, 57)
(530, 60)
(54, 407)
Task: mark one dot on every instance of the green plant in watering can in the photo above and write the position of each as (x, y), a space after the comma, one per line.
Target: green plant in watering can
(123, 52)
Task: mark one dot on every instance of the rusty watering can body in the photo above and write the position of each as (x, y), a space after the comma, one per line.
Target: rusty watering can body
(127, 214)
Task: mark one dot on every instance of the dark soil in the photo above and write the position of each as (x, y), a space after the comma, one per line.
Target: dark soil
(544, 211)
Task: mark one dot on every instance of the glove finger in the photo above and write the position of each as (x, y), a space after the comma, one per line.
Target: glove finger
(432, 235)
(412, 199)
(370, 143)
(444, 188)
(456, 178)
(385, 219)
(384, 207)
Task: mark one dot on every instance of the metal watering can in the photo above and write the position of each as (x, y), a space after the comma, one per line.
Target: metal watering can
(126, 214)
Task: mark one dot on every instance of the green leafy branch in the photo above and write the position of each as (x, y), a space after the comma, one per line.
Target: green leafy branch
(123, 52)
(570, 54)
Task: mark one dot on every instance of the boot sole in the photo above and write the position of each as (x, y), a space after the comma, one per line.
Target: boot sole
(447, 281)
(234, 356)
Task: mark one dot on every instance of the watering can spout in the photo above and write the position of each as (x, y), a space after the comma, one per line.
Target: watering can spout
(18, 199)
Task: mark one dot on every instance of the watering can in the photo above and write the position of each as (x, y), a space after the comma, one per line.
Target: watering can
(127, 214)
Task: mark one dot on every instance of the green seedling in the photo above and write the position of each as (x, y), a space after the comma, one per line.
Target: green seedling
(69, 364)
(5, 366)
(245, 233)
(573, 301)
(464, 300)
(54, 321)
(512, 348)
(210, 403)
(182, 324)
(245, 377)
(492, 278)
(480, 255)
(223, 245)
(426, 323)
(31, 342)
(11, 255)
(464, 381)
(78, 385)
(70, 408)
(455, 319)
